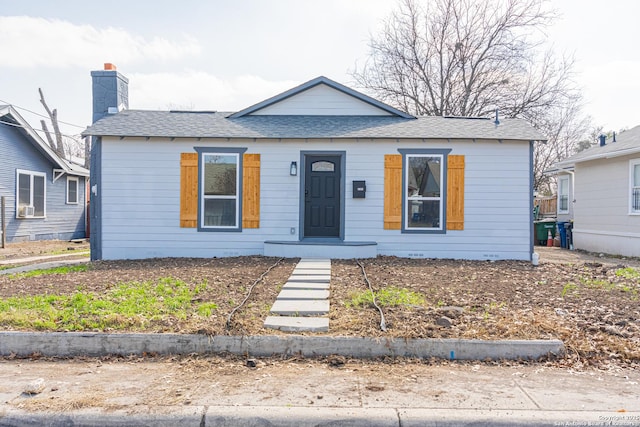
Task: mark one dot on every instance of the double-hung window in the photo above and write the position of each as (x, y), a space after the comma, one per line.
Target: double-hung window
(634, 186)
(30, 194)
(423, 195)
(220, 184)
(563, 194)
(72, 190)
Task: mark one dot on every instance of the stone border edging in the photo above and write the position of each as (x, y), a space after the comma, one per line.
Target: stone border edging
(68, 344)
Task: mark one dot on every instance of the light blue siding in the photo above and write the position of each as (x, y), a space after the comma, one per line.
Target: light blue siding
(63, 221)
(141, 199)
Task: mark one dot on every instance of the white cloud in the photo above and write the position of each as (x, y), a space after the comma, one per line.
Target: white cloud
(612, 90)
(32, 42)
(198, 90)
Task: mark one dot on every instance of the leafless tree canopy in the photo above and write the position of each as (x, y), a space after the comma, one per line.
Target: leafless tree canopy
(468, 58)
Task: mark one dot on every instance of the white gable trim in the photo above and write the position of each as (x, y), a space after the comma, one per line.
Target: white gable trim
(373, 105)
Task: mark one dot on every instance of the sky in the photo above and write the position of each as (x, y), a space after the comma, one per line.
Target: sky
(227, 55)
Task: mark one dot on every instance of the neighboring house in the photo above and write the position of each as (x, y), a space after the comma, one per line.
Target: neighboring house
(45, 195)
(318, 171)
(599, 188)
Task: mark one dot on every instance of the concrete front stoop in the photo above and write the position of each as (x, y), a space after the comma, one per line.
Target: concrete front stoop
(303, 302)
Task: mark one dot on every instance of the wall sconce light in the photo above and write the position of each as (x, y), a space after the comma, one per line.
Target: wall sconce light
(293, 170)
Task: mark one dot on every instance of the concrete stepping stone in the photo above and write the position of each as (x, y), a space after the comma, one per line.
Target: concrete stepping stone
(302, 298)
(297, 324)
(306, 285)
(310, 277)
(300, 307)
(309, 263)
(303, 294)
(313, 271)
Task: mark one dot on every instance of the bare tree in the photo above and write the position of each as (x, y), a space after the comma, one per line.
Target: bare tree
(468, 58)
(57, 144)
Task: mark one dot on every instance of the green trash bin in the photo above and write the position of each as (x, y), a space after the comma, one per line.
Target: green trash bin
(542, 229)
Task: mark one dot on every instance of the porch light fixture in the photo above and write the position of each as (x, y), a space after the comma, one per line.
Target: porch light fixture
(293, 169)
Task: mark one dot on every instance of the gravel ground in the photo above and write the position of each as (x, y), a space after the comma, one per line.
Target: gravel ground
(586, 300)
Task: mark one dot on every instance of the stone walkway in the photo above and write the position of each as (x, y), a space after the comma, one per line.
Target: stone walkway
(303, 303)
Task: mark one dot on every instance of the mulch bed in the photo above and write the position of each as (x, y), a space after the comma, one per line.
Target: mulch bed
(587, 305)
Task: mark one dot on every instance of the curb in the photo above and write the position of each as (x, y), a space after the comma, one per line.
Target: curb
(260, 416)
(69, 344)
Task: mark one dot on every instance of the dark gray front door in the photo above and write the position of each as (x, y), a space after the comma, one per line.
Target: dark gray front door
(322, 196)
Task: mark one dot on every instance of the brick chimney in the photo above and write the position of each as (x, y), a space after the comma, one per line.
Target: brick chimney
(110, 92)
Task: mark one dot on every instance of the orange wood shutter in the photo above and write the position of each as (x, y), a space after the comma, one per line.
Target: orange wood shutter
(455, 192)
(189, 190)
(392, 191)
(251, 191)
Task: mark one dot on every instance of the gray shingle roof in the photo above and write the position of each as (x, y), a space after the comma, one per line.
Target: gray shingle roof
(627, 142)
(219, 125)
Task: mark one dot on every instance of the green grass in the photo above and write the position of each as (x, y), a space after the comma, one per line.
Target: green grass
(68, 251)
(47, 271)
(628, 273)
(569, 288)
(604, 285)
(387, 297)
(130, 306)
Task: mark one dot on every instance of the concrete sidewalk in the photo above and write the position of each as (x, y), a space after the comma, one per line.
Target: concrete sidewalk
(42, 262)
(312, 393)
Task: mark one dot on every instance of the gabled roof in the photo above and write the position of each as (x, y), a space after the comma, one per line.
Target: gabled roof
(319, 81)
(136, 123)
(10, 116)
(627, 142)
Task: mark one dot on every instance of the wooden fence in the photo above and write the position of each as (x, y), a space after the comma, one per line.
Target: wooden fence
(547, 206)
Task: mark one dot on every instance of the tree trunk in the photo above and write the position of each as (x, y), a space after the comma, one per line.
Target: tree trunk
(53, 116)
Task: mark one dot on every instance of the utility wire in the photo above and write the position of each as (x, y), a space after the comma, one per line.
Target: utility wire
(41, 115)
(74, 137)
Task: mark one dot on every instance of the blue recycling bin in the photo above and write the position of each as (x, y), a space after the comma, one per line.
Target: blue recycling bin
(563, 234)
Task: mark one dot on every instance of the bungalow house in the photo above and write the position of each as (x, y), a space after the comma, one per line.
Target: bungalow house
(599, 189)
(45, 195)
(320, 170)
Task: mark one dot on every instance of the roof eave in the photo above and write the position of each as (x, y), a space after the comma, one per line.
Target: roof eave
(38, 142)
(609, 155)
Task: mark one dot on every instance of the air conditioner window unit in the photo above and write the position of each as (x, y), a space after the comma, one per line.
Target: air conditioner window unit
(25, 211)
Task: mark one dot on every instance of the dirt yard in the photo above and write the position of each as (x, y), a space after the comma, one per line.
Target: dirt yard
(589, 302)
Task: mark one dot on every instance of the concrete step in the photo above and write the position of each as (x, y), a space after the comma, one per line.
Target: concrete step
(303, 294)
(300, 307)
(297, 324)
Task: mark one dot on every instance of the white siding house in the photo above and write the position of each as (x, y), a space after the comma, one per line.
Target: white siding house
(426, 187)
(606, 182)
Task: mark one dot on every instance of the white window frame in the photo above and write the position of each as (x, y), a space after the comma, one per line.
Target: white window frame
(31, 174)
(564, 178)
(237, 196)
(408, 198)
(75, 179)
(633, 185)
